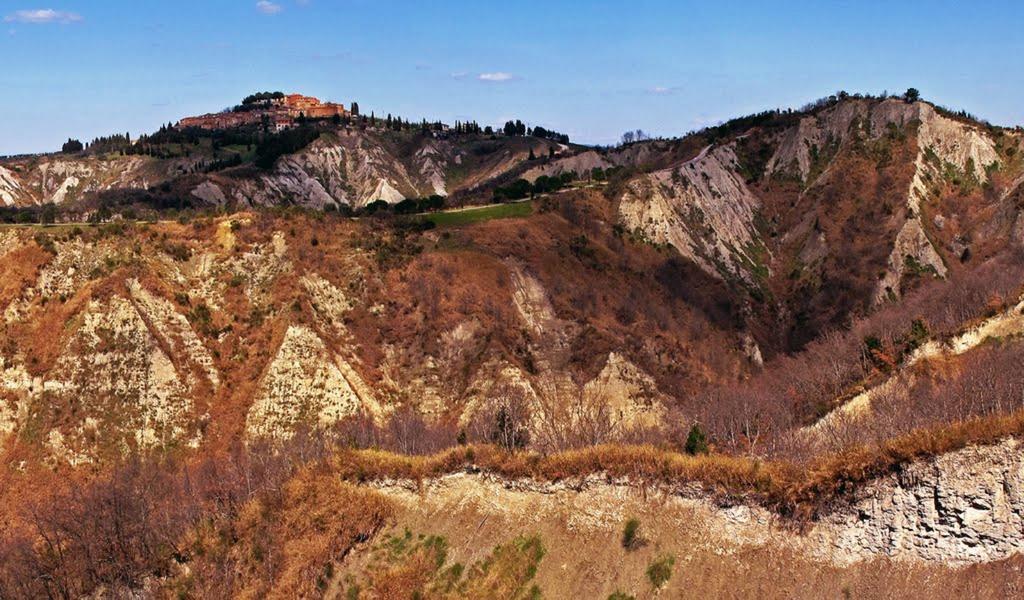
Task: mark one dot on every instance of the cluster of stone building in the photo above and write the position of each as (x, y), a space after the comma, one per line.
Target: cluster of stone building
(277, 113)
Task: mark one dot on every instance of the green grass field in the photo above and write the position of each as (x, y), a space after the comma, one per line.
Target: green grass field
(484, 213)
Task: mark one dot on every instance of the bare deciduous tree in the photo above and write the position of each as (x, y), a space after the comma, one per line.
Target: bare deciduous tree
(504, 418)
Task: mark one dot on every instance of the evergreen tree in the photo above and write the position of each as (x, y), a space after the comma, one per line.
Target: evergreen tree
(696, 441)
(72, 146)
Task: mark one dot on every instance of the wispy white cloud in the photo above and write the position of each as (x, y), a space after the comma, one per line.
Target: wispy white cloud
(459, 75)
(42, 16)
(661, 90)
(495, 77)
(268, 8)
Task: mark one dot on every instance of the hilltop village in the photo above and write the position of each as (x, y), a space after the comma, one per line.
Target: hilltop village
(275, 109)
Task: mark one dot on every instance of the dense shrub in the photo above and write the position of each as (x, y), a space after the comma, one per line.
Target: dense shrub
(631, 534)
(660, 571)
(517, 190)
(271, 506)
(522, 188)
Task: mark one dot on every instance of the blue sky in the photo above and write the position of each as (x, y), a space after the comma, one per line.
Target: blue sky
(590, 69)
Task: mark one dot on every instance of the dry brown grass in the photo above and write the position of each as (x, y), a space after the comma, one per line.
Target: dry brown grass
(321, 519)
(835, 475)
(18, 269)
(285, 545)
(283, 539)
(800, 491)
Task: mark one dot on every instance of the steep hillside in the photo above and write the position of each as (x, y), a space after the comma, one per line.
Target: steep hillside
(346, 166)
(832, 212)
(667, 267)
(170, 335)
(777, 357)
(354, 168)
(58, 179)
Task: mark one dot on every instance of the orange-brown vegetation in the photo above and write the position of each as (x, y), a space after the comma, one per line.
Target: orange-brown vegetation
(794, 390)
(246, 524)
(287, 542)
(855, 205)
(431, 318)
(258, 524)
(18, 269)
(798, 490)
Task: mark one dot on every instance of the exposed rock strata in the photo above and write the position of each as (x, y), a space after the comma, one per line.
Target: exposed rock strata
(703, 209)
(962, 508)
(304, 386)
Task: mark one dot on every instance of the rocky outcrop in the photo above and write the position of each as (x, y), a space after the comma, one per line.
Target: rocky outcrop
(114, 387)
(304, 386)
(75, 263)
(59, 179)
(10, 189)
(964, 507)
(343, 167)
(622, 398)
(431, 163)
(549, 335)
(631, 397)
(704, 210)
(176, 333)
(799, 146)
(329, 302)
(943, 144)
(16, 387)
(951, 141)
(9, 240)
(210, 192)
(581, 163)
(261, 266)
(493, 382)
(911, 250)
(348, 168)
